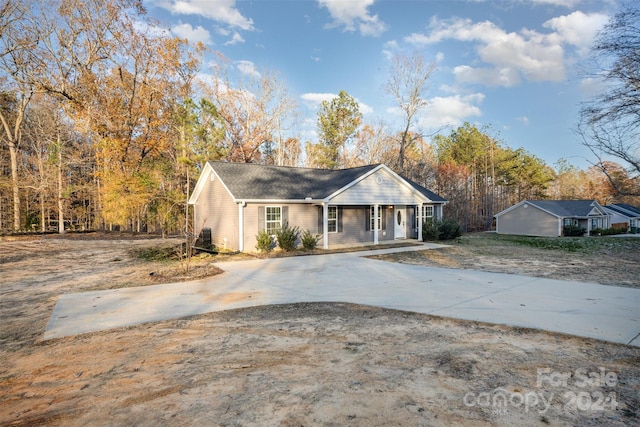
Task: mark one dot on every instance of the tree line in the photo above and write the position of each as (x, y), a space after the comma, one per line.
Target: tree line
(106, 121)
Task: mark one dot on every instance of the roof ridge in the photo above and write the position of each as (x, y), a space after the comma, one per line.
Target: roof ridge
(372, 166)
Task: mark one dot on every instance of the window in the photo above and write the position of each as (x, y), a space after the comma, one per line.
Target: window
(332, 219)
(427, 212)
(273, 219)
(372, 218)
(594, 223)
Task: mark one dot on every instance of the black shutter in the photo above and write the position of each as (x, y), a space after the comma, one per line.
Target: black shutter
(384, 218)
(339, 213)
(367, 217)
(260, 218)
(320, 223)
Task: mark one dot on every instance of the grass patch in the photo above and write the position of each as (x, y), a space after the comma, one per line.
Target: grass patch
(586, 245)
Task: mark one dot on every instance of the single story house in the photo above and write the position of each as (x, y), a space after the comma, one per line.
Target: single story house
(549, 217)
(361, 205)
(624, 216)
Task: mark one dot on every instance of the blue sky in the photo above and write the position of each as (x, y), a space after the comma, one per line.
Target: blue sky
(515, 66)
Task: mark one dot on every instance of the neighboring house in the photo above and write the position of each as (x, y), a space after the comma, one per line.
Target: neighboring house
(353, 206)
(549, 217)
(624, 216)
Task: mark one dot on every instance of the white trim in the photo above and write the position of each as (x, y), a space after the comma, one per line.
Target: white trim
(397, 178)
(266, 215)
(420, 220)
(325, 225)
(329, 207)
(241, 206)
(204, 179)
(375, 222)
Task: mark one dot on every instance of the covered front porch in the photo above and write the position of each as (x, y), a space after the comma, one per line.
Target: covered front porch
(353, 225)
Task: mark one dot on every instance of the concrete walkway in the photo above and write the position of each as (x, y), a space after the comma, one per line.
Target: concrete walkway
(590, 310)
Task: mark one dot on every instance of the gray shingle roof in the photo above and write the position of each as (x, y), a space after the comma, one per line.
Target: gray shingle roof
(253, 181)
(565, 208)
(625, 209)
(430, 194)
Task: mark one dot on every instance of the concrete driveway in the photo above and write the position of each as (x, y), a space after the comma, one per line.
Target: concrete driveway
(590, 310)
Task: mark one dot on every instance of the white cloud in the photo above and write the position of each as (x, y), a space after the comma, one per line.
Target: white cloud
(364, 108)
(450, 111)
(510, 57)
(506, 77)
(524, 120)
(223, 11)
(235, 39)
(315, 99)
(353, 14)
(372, 26)
(194, 35)
(389, 49)
(247, 68)
(578, 28)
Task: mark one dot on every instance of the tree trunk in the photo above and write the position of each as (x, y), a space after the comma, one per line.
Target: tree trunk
(43, 226)
(60, 200)
(13, 153)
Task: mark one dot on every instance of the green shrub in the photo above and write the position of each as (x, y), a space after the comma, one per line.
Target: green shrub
(287, 237)
(607, 231)
(447, 229)
(265, 241)
(574, 231)
(309, 240)
(430, 229)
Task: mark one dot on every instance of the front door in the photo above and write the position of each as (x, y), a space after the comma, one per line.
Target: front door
(400, 220)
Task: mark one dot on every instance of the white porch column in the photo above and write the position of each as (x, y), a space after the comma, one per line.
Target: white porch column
(325, 225)
(241, 226)
(375, 224)
(419, 223)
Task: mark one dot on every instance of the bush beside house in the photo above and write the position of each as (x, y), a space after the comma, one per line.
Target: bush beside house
(447, 229)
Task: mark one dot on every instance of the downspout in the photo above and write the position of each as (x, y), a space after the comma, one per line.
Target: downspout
(325, 225)
(560, 227)
(241, 206)
(375, 224)
(420, 223)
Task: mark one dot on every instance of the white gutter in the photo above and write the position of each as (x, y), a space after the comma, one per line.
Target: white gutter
(241, 206)
(325, 225)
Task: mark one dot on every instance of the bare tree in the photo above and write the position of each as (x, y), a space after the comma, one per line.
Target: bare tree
(17, 41)
(610, 123)
(407, 83)
(252, 110)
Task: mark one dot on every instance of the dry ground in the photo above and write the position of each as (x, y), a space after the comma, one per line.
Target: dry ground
(302, 364)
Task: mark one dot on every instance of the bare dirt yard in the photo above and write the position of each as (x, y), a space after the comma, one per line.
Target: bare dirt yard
(304, 364)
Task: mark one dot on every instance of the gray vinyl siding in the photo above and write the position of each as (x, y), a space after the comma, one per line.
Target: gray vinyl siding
(529, 221)
(304, 216)
(217, 210)
(354, 229)
(378, 188)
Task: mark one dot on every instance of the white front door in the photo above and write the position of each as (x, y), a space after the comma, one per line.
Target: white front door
(400, 221)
